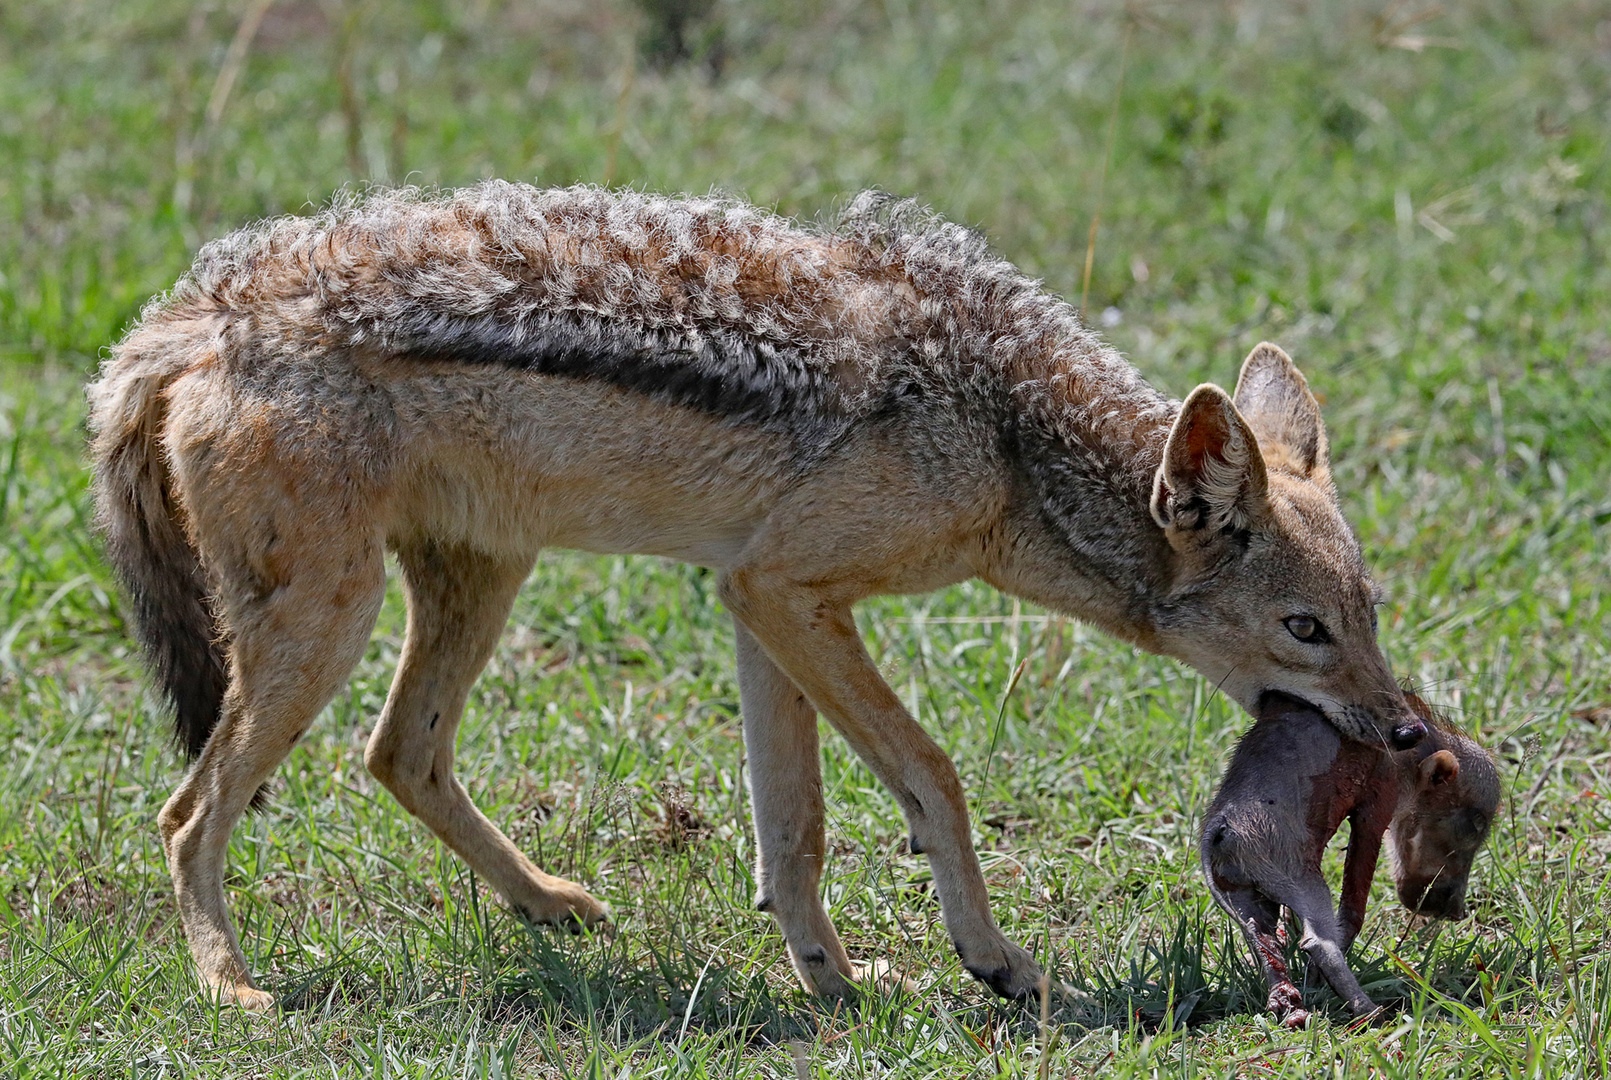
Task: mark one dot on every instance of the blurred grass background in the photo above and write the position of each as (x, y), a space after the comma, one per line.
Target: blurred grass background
(1412, 199)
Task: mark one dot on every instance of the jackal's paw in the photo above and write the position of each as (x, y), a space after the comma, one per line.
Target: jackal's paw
(820, 975)
(243, 996)
(1002, 966)
(569, 909)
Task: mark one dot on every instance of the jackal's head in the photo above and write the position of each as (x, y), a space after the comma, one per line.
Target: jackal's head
(1268, 590)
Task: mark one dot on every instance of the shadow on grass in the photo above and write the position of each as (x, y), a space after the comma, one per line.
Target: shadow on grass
(667, 996)
(657, 990)
(1185, 980)
(592, 987)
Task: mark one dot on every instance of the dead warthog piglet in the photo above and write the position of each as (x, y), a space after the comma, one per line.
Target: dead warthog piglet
(1290, 785)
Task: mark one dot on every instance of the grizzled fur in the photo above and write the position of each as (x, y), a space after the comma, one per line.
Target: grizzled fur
(707, 303)
(1290, 785)
(820, 414)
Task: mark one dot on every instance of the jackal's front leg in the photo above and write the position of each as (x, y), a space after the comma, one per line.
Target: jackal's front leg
(780, 741)
(812, 638)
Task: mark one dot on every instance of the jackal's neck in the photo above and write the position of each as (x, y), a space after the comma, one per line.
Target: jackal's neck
(1090, 436)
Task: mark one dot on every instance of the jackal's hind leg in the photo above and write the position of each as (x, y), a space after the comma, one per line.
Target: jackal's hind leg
(780, 743)
(458, 602)
(291, 648)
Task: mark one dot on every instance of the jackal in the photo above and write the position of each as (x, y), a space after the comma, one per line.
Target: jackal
(818, 413)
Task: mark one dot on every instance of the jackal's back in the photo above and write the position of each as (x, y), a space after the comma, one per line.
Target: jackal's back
(701, 302)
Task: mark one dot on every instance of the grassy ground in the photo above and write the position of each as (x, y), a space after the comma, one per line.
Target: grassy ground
(1416, 208)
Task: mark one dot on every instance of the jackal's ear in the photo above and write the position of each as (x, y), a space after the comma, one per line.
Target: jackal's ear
(1274, 397)
(1212, 474)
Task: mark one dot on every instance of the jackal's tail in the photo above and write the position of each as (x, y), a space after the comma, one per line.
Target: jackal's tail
(138, 515)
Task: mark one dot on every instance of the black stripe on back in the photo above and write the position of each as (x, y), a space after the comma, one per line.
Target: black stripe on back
(721, 373)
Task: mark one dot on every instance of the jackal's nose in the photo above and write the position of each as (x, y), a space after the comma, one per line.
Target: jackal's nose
(1408, 734)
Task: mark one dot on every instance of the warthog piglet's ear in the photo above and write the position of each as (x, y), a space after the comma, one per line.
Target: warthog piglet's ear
(1438, 769)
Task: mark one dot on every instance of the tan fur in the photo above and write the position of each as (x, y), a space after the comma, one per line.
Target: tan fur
(820, 415)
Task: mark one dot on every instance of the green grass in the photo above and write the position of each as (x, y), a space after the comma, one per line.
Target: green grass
(1425, 231)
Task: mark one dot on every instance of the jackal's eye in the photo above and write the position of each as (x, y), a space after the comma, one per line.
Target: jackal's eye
(1307, 628)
